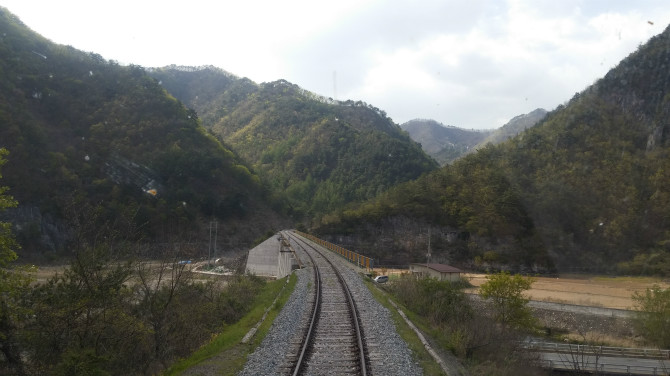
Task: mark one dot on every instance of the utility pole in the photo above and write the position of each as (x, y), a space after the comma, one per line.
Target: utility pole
(216, 235)
(209, 248)
(428, 255)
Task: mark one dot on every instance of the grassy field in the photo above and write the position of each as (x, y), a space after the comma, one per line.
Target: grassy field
(579, 289)
(43, 273)
(587, 290)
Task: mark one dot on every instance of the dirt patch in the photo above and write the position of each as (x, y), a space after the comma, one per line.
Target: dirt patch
(594, 291)
(389, 272)
(43, 273)
(227, 362)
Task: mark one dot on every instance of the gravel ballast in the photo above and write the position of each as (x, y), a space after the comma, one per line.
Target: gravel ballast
(269, 356)
(388, 352)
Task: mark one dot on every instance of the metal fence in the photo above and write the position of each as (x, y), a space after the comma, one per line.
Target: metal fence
(623, 352)
(355, 258)
(601, 359)
(605, 368)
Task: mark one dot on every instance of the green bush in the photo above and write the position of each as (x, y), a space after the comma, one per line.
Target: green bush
(653, 315)
(439, 301)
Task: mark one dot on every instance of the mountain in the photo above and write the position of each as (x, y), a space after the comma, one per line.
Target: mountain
(316, 154)
(593, 174)
(586, 189)
(468, 214)
(96, 144)
(444, 143)
(448, 143)
(513, 127)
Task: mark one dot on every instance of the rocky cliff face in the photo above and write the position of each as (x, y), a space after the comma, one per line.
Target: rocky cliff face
(35, 230)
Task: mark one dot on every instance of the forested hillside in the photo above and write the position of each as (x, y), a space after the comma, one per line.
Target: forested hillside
(468, 214)
(587, 188)
(448, 143)
(315, 153)
(444, 143)
(513, 127)
(94, 142)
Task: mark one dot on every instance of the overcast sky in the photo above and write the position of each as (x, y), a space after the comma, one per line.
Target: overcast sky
(467, 63)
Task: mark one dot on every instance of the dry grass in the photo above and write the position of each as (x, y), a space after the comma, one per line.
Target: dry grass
(594, 337)
(595, 291)
(43, 273)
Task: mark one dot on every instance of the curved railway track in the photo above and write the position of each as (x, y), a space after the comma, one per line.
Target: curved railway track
(332, 341)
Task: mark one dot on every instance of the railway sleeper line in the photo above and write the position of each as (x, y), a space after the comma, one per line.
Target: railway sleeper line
(332, 343)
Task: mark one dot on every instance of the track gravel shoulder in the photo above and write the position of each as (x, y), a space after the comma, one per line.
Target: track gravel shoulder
(388, 352)
(268, 358)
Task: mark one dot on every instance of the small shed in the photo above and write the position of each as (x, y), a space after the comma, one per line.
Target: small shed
(441, 272)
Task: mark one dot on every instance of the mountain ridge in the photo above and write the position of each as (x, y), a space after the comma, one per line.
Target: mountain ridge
(447, 143)
(585, 189)
(84, 131)
(318, 154)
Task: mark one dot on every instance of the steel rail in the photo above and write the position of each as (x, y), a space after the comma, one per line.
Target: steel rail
(352, 308)
(315, 316)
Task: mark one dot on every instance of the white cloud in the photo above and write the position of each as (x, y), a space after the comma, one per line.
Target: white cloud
(471, 64)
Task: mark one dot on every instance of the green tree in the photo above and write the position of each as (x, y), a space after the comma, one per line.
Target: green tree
(84, 319)
(84, 362)
(14, 281)
(7, 242)
(509, 304)
(653, 315)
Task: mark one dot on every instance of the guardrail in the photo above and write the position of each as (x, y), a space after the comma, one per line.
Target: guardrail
(623, 352)
(352, 257)
(604, 368)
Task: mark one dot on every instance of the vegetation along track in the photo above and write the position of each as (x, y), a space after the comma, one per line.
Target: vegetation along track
(333, 340)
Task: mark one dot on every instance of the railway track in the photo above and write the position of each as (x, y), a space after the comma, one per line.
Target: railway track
(331, 340)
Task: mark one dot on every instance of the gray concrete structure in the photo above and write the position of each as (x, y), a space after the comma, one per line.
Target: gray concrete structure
(269, 259)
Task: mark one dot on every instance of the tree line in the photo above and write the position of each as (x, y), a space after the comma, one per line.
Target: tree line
(109, 312)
